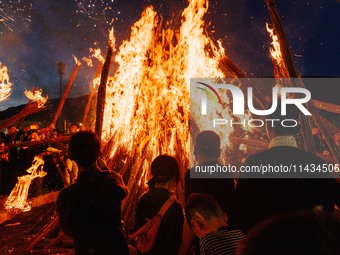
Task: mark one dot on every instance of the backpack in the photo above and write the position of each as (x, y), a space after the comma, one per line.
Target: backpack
(144, 238)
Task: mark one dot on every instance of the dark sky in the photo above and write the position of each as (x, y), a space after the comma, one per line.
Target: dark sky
(36, 34)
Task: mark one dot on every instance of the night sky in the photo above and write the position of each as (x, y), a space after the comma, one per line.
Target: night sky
(36, 34)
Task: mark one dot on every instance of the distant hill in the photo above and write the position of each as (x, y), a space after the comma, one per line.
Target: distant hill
(73, 111)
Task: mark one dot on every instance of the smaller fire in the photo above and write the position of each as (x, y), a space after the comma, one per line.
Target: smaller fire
(18, 197)
(275, 51)
(78, 63)
(36, 96)
(112, 39)
(96, 53)
(5, 85)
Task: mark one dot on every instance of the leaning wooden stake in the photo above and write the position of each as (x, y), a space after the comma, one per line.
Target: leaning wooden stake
(292, 73)
(67, 90)
(51, 226)
(102, 92)
(289, 69)
(29, 109)
(92, 93)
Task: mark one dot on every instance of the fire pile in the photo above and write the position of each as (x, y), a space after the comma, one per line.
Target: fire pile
(147, 100)
(5, 84)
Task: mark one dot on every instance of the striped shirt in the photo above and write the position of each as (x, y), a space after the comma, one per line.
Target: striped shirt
(221, 242)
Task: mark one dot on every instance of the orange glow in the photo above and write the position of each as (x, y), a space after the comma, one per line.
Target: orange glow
(18, 197)
(36, 96)
(147, 109)
(5, 84)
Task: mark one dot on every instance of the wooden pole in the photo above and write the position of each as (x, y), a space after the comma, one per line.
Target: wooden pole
(102, 92)
(292, 73)
(59, 139)
(67, 90)
(289, 69)
(47, 229)
(228, 68)
(92, 92)
(286, 54)
(27, 110)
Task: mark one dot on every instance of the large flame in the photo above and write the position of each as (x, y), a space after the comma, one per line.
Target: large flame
(18, 197)
(148, 97)
(5, 84)
(147, 111)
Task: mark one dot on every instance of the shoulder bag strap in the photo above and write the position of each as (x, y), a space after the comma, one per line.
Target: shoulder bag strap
(166, 206)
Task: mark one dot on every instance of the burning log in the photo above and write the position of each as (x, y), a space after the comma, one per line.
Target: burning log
(102, 91)
(287, 58)
(44, 231)
(92, 93)
(29, 109)
(229, 68)
(67, 90)
(286, 65)
(45, 141)
(95, 83)
(291, 72)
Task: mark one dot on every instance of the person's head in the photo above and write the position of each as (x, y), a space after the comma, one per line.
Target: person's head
(294, 234)
(84, 148)
(164, 170)
(33, 135)
(279, 128)
(74, 128)
(204, 214)
(11, 129)
(207, 146)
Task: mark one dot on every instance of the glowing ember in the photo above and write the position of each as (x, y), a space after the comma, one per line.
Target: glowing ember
(5, 85)
(18, 197)
(36, 96)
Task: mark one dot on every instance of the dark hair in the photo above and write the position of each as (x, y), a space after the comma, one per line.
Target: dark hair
(164, 168)
(84, 148)
(208, 144)
(293, 234)
(205, 205)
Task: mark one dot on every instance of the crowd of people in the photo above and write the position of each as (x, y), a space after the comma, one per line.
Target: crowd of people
(240, 216)
(15, 160)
